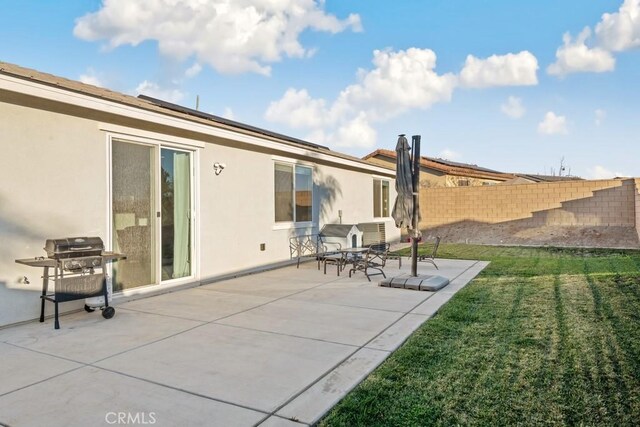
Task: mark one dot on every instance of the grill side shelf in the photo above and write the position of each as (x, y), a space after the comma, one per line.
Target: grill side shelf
(112, 256)
(50, 262)
(37, 262)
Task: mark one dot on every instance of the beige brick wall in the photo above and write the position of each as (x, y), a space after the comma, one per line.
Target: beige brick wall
(572, 203)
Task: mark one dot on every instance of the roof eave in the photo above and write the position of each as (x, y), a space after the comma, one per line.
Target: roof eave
(28, 85)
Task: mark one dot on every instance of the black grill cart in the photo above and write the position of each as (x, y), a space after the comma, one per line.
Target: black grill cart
(74, 272)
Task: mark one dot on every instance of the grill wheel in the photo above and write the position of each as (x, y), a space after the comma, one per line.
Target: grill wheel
(108, 312)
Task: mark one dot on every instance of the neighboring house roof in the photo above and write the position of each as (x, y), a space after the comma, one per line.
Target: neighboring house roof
(447, 167)
(517, 180)
(547, 178)
(166, 108)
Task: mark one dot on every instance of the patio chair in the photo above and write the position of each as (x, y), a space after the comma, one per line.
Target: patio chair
(380, 253)
(337, 259)
(311, 246)
(384, 247)
(372, 260)
(431, 257)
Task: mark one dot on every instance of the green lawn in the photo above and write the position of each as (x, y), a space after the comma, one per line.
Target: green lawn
(541, 337)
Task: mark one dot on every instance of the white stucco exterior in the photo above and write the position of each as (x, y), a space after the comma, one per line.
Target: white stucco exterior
(54, 182)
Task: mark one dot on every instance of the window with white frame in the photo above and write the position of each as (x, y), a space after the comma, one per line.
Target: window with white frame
(380, 198)
(293, 193)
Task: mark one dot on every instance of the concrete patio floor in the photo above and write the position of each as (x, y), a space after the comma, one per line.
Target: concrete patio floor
(277, 348)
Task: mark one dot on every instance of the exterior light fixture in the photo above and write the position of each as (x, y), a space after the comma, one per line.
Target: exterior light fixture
(218, 167)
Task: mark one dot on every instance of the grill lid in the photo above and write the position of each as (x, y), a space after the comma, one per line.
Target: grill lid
(73, 247)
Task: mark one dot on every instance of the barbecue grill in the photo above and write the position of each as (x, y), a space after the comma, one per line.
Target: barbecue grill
(79, 271)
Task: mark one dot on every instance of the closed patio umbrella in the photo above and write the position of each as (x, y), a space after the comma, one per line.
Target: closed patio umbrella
(403, 207)
(406, 211)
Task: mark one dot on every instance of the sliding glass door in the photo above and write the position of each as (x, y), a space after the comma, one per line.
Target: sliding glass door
(151, 209)
(176, 219)
(133, 208)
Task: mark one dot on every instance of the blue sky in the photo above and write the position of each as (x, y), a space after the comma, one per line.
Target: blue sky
(492, 83)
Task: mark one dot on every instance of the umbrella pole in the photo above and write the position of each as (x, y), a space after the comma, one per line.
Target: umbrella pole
(415, 148)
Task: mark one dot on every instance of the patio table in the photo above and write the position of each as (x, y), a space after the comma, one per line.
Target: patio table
(344, 256)
(354, 251)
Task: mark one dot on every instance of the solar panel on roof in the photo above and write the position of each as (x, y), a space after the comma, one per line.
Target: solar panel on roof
(222, 120)
(462, 165)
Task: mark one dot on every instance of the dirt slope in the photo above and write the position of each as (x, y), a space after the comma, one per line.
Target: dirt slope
(513, 234)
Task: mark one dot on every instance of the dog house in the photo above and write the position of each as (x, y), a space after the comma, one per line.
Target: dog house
(348, 235)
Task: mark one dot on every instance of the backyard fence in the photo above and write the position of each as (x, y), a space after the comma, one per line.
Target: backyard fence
(614, 202)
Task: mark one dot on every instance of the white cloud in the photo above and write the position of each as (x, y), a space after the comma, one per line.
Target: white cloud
(355, 133)
(230, 36)
(318, 136)
(600, 116)
(298, 110)
(513, 107)
(400, 81)
(449, 154)
(553, 124)
(620, 31)
(600, 172)
(91, 78)
(517, 69)
(193, 71)
(573, 57)
(228, 114)
(616, 32)
(155, 91)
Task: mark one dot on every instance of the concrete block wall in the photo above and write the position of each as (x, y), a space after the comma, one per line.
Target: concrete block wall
(568, 203)
(636, 195)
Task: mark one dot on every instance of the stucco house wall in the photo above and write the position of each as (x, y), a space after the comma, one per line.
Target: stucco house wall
(237, 207)
(466, 181)
(54, 182)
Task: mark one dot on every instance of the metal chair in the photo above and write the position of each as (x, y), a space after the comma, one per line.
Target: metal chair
(381, 247)
(431, 258)
(337, 259)
(380, 253)
(311, 246)
(372, 260)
